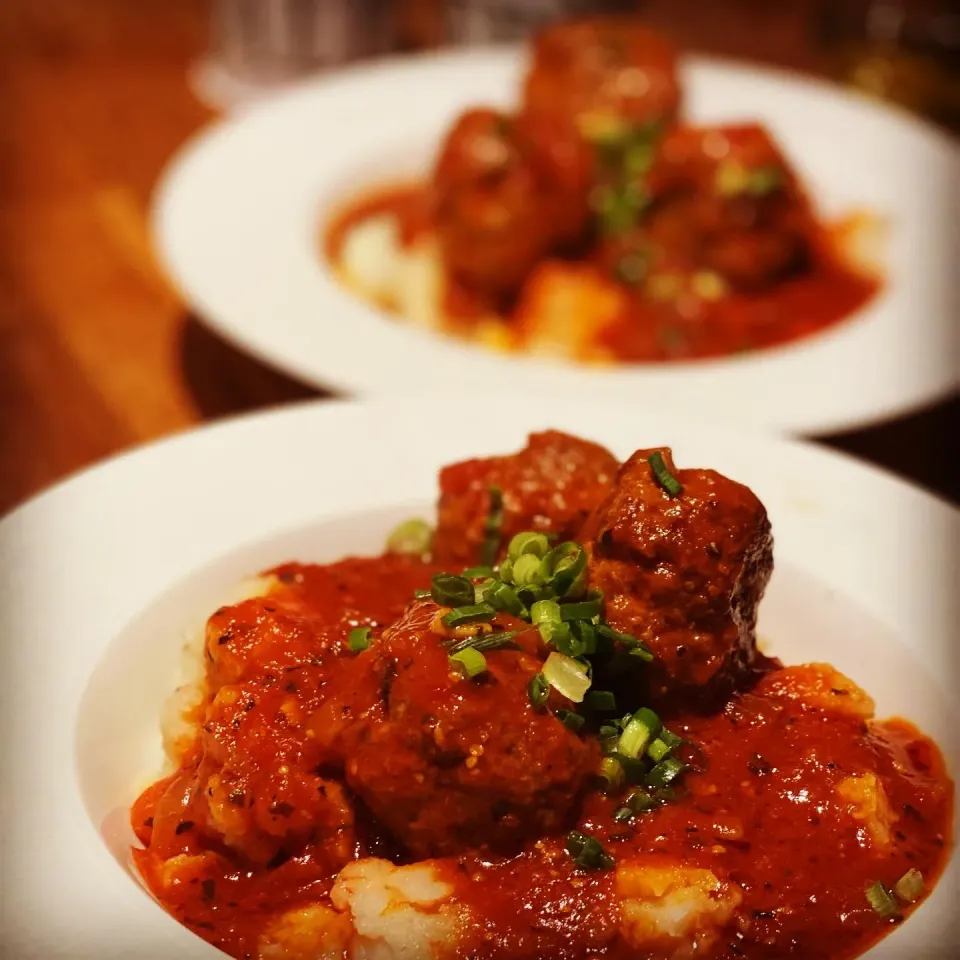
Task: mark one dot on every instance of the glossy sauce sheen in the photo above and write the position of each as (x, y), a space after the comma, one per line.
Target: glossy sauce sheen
(645, 331)
(763, 810)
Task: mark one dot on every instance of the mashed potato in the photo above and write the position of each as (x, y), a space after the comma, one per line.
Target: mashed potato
(181, 717)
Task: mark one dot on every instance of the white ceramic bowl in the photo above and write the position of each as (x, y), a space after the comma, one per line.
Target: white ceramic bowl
(100, 577)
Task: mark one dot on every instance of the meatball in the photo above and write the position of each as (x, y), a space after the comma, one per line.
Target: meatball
(725, 200)
(309, 611)
(551, 485)
(448, 763)
(506, 192)
(685, 574)
(604, 75)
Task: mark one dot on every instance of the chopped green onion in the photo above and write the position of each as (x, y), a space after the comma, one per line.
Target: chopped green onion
(545, 611)
(583, 610)
(710, 286)
(502, 596)
(478, 573)
(359, 639)
(584, 638)
(587, 852)
(538, 690)
(421, 594)
(506, 570)
(491, 528)
(638, 157)
(663, 476)
(622, 814)
(528, 542)
(412, 537)
(657, 750)
(468, 663)
(640, 801)
(526, 570)
(909, 887)
(634, 769)
(882, 901)
(450, 590)
(642, 728)
(633, 645)
(600, 700)
(471, 613)
(564, 568)
(665, 772)
(571, 719)
(670, 739)
(560, 636)
(731, 178)
(484, 642)
(481, 587)
(611, 773)
(566, 676)
(764, 180)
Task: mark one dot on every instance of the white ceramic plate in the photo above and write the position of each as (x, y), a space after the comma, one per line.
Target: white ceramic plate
(100, 576)
(238, 216)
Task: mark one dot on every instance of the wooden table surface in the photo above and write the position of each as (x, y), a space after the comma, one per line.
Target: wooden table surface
(97, 353)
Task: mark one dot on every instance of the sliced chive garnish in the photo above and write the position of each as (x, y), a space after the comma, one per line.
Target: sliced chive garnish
(468, 662)
(588, 852)
(882, 901)
(470, 613)
(663, 476)
(665, 772)
(412, 537)
(483, 642)
(451, 590)
(538, 690)
(571, 719)
(491, 528)
(359, 639)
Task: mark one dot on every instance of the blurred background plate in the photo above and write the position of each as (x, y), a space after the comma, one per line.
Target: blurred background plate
(238, 216)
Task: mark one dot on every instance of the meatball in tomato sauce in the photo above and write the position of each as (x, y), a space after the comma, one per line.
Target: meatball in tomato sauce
(449, 763)
(603, 75)
(506, 192)
(550, 486)
(684, 573)
(724, 199)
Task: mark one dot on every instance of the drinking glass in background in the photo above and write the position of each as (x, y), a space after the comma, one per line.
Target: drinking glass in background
(257, 46)
(905, 51)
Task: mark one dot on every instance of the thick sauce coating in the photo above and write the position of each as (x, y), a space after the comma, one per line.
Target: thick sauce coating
(551, 485)
(684, 573)
(322, 774)
(601, 73)
(447, 765)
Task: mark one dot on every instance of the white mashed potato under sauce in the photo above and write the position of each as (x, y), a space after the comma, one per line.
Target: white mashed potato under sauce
(564, 308)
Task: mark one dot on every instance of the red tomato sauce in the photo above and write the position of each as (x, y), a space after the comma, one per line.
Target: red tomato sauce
(811, 302)
(759, 808)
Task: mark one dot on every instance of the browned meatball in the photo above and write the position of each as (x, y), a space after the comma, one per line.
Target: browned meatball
(507, 191)
(724, 199)
(684, 573)
(604, 74)
(449, 763)
(551, 485)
